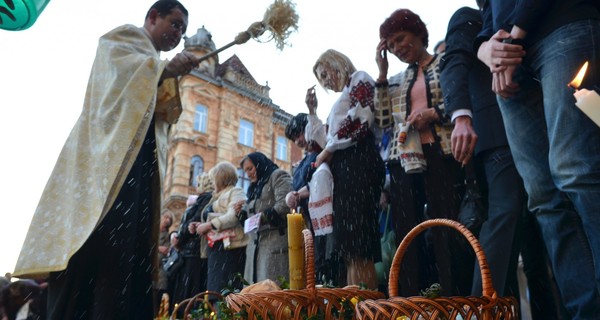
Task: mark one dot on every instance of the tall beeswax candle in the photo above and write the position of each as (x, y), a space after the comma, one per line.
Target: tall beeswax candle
(296, 250)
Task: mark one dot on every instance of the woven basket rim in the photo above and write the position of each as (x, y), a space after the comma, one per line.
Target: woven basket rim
(312, 298)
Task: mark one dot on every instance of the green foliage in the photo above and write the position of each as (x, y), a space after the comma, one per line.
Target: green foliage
(283, 282)
(434, 291)
(230, 287)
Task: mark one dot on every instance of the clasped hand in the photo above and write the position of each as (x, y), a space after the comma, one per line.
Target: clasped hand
(502, 59)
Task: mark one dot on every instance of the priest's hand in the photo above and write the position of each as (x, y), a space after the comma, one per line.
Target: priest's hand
(182, 63)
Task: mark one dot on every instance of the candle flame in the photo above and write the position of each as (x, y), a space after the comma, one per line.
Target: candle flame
(579, 77)
(293, 211)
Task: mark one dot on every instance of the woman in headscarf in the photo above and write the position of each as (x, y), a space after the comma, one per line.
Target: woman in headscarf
(267, 250)
(358, 170)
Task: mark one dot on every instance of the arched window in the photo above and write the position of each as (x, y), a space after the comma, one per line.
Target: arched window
(196, 168)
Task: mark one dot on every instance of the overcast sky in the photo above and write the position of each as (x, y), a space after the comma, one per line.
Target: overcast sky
(44, 72)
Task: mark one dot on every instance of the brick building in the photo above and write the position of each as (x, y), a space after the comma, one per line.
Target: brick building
(226, 115)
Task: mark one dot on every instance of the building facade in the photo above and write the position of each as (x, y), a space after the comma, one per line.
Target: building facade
(226, 115)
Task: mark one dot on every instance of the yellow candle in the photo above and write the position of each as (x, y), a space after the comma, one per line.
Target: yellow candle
(296, 250)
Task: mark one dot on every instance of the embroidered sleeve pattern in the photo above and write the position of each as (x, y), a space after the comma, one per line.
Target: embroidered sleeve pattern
(361, 106)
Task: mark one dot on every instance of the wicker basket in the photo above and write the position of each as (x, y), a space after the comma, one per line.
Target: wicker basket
(304, 303)
(487, 307)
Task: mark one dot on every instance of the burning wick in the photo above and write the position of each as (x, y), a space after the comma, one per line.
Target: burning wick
(587, 100)
(576, 82)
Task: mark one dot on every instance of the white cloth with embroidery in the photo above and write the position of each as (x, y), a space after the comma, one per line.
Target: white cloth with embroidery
(120, 102)
(411, 154)
(320, 205)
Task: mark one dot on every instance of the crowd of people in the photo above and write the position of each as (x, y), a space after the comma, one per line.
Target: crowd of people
(492, 99)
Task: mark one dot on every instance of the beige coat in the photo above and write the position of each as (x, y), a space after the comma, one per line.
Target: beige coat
(224, 217)
(120, 102)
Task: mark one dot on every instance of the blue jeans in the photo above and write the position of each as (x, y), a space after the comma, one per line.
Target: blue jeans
(556, 149)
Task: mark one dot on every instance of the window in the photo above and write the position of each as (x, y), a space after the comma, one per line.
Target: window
(281, 148)
(246, 133)
(196, 168)
(201, 119)
(243, 180)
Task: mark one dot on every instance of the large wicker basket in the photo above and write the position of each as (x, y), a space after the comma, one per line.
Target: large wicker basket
(329, 303)
(488, 307)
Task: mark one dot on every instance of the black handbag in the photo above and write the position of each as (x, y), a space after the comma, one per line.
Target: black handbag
(472, 211)
(172, 263)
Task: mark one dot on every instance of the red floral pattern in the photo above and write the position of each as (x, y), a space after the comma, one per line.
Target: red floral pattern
(362, 93)
(353, 129)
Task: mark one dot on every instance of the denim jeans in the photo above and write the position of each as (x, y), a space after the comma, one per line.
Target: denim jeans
(556, 149)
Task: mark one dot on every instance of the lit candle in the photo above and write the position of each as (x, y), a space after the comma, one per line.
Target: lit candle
(296, 250)
(587, 100)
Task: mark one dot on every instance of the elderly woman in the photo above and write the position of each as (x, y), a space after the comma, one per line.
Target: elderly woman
(422, 168)
(357, 169)
(267, 251)
(226, 249)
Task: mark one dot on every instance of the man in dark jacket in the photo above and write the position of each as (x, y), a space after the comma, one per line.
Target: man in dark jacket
(472, 105)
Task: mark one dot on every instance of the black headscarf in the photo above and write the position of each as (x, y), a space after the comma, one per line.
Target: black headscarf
(264, 168)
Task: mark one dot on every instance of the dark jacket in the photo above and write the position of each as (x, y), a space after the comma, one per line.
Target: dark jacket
(302, 176)
(189, 244)
(467, 82)
(538, 18)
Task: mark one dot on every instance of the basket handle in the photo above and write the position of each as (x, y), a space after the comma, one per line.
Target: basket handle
(486, 277)
(309, 259)
(200, 297)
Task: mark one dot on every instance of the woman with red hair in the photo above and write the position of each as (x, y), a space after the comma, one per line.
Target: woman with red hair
(424, 175)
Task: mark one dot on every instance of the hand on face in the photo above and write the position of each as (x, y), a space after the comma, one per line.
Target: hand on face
(382, 61)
